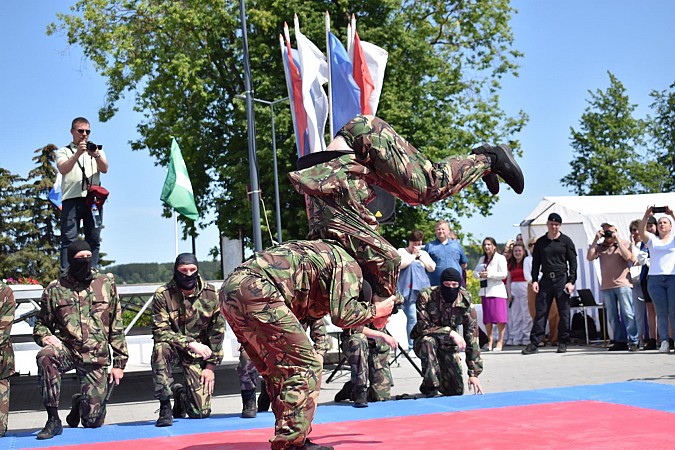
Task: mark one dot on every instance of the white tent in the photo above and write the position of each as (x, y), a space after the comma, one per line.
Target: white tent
(582, 217)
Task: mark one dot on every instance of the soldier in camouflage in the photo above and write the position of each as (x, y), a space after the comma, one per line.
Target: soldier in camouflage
(368, 151)
(188, 330)
(248, 374)
(265, 299)
(367, 352)
(7, 309)
(440, 312)
(79, 320)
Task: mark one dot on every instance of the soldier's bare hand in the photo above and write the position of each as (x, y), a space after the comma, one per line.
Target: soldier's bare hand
(459, 341)
(116, 375)
(53, 341)
(200, 349)
(208, 380)
(475, 385)
(393, 343)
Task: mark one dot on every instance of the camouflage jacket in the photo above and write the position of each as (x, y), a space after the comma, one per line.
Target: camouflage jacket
(315, 278)
(436, 318)
(179, 319)
(318, 334)
(7, 309)
(87, 319)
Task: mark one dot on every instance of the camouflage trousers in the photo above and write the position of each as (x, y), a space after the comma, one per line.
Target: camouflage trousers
(441, 366)
(4, 405)
(164, 357)
(369, 361)
(339, 191)
(52, 362)
(248, 374)
(282, 352)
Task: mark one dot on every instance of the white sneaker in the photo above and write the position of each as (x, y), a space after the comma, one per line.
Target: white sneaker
(665, 348)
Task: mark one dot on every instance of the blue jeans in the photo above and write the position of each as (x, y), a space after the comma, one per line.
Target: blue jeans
(72, 210)
(662, 291)
(616, 299)
(410, 311)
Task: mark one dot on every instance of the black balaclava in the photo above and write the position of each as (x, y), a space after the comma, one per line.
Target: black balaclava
(183, 281)
(450, 274)
(79, 268)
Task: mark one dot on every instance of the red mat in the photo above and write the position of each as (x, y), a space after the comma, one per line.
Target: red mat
(587, 424)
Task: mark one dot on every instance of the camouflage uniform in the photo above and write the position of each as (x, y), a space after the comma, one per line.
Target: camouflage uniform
(432, 342)
(339, 191)
(87, 320)
(7, 309)
(178, 320)
(248, 374)
(368, 360)
(264, 300)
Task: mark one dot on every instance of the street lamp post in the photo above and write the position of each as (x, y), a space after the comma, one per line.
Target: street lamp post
(274, 159)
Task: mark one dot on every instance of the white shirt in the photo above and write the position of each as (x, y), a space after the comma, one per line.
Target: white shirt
(661, 255)
(497, 270)
(408, 258)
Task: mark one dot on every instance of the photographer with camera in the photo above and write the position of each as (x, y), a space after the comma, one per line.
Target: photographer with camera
(615, 256)
(80, 163)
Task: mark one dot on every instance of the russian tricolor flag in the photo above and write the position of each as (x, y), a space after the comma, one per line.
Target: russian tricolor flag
(54, 195)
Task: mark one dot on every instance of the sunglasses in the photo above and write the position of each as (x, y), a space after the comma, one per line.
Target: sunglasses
(84, 131)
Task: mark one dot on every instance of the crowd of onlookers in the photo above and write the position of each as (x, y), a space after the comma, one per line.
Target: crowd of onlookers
(637, 282)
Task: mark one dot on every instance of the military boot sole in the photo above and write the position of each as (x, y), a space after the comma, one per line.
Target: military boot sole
(507, 168)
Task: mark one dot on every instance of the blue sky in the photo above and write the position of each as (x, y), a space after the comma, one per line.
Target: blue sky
(569, 47)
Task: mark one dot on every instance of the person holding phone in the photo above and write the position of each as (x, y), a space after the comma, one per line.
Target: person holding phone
(661, 278)
(555, 256)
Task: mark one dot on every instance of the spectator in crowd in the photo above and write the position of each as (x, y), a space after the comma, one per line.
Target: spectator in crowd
(615, 258)
(7, 309)
(508, 249)
(555, 256)
(661, 278)
(643, 258)
(445, 251)
(639, 305)
(415, 263)
(81, 167)
(491, 270)
(265, 299)
(367, 352)
(188, 331)
(519, 321)
(73, 340)
(531, 296)
(519, 240)
(440, 312)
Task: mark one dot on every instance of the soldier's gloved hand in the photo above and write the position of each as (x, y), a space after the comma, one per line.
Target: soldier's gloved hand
(53, 341)
(200, 349)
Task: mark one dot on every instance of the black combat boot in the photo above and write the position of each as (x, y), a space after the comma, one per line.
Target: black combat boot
(165, 418)
(249, 410)
(53, 426)
(503, 163)
(491, 180)
(179, 401)
(264, 398)
(309, 445)
(345, 393)
(73, 417)
(360, 397)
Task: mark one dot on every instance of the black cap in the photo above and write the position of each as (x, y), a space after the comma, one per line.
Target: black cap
(555, 217)
(651, 220)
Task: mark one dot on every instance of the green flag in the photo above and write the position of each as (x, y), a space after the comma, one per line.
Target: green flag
(177, 190)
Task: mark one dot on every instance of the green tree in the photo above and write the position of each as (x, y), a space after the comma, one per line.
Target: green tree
(662, 127)
(9, 213)
(183, 63)
(610, 155)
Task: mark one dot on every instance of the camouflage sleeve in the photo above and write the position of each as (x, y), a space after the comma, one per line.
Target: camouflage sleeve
(7, 309)
(425, 326)
(161, 321)
(319, 335)
(44, 320)
(346, 310)
(117, 340)
(473, 360)
(216, 335)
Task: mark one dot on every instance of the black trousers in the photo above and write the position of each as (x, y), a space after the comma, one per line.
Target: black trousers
(549, 289)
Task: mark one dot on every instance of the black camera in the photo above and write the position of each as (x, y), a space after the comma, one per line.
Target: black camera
(91, 147)
(659, 209)
(608, 234)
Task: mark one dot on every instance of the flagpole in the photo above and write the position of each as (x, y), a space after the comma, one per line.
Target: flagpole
(250, 119)
(330, 82)
(175, 224)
